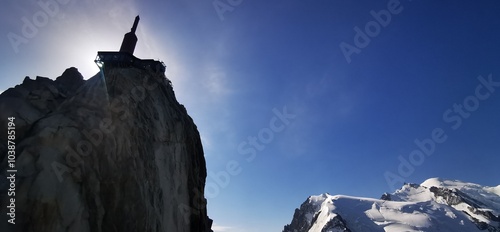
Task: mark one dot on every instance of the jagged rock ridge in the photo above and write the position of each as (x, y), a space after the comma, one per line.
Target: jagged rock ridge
(434, 205)
(114, 153)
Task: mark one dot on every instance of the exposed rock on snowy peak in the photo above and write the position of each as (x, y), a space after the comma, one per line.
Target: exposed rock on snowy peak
(482, 204)
(315, 215)
(114, 153)
(434, 205)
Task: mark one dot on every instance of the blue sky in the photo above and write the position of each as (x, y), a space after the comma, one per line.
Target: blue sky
(273, 72)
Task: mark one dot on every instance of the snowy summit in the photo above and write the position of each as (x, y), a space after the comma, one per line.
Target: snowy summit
(434, 205)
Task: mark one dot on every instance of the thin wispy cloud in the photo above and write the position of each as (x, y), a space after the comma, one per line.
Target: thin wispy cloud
(216, 82)
(219, 228)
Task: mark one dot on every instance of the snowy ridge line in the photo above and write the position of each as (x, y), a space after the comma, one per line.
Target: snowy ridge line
(435, 205)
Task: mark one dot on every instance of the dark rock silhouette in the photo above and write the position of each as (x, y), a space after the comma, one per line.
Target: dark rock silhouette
(114, 153)
(130, 39)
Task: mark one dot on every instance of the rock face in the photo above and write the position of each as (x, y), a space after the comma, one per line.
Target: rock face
(34, 99)
(476, 209)
(435, 205)
(309, 216)
(315, 215)
(302, 218)
(114, 153)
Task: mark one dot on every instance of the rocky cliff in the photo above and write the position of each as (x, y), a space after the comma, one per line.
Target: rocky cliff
(114, 153)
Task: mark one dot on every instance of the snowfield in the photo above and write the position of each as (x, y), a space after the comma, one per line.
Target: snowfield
(435, 205)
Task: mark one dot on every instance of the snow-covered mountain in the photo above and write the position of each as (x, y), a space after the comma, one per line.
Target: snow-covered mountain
(434, 205)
